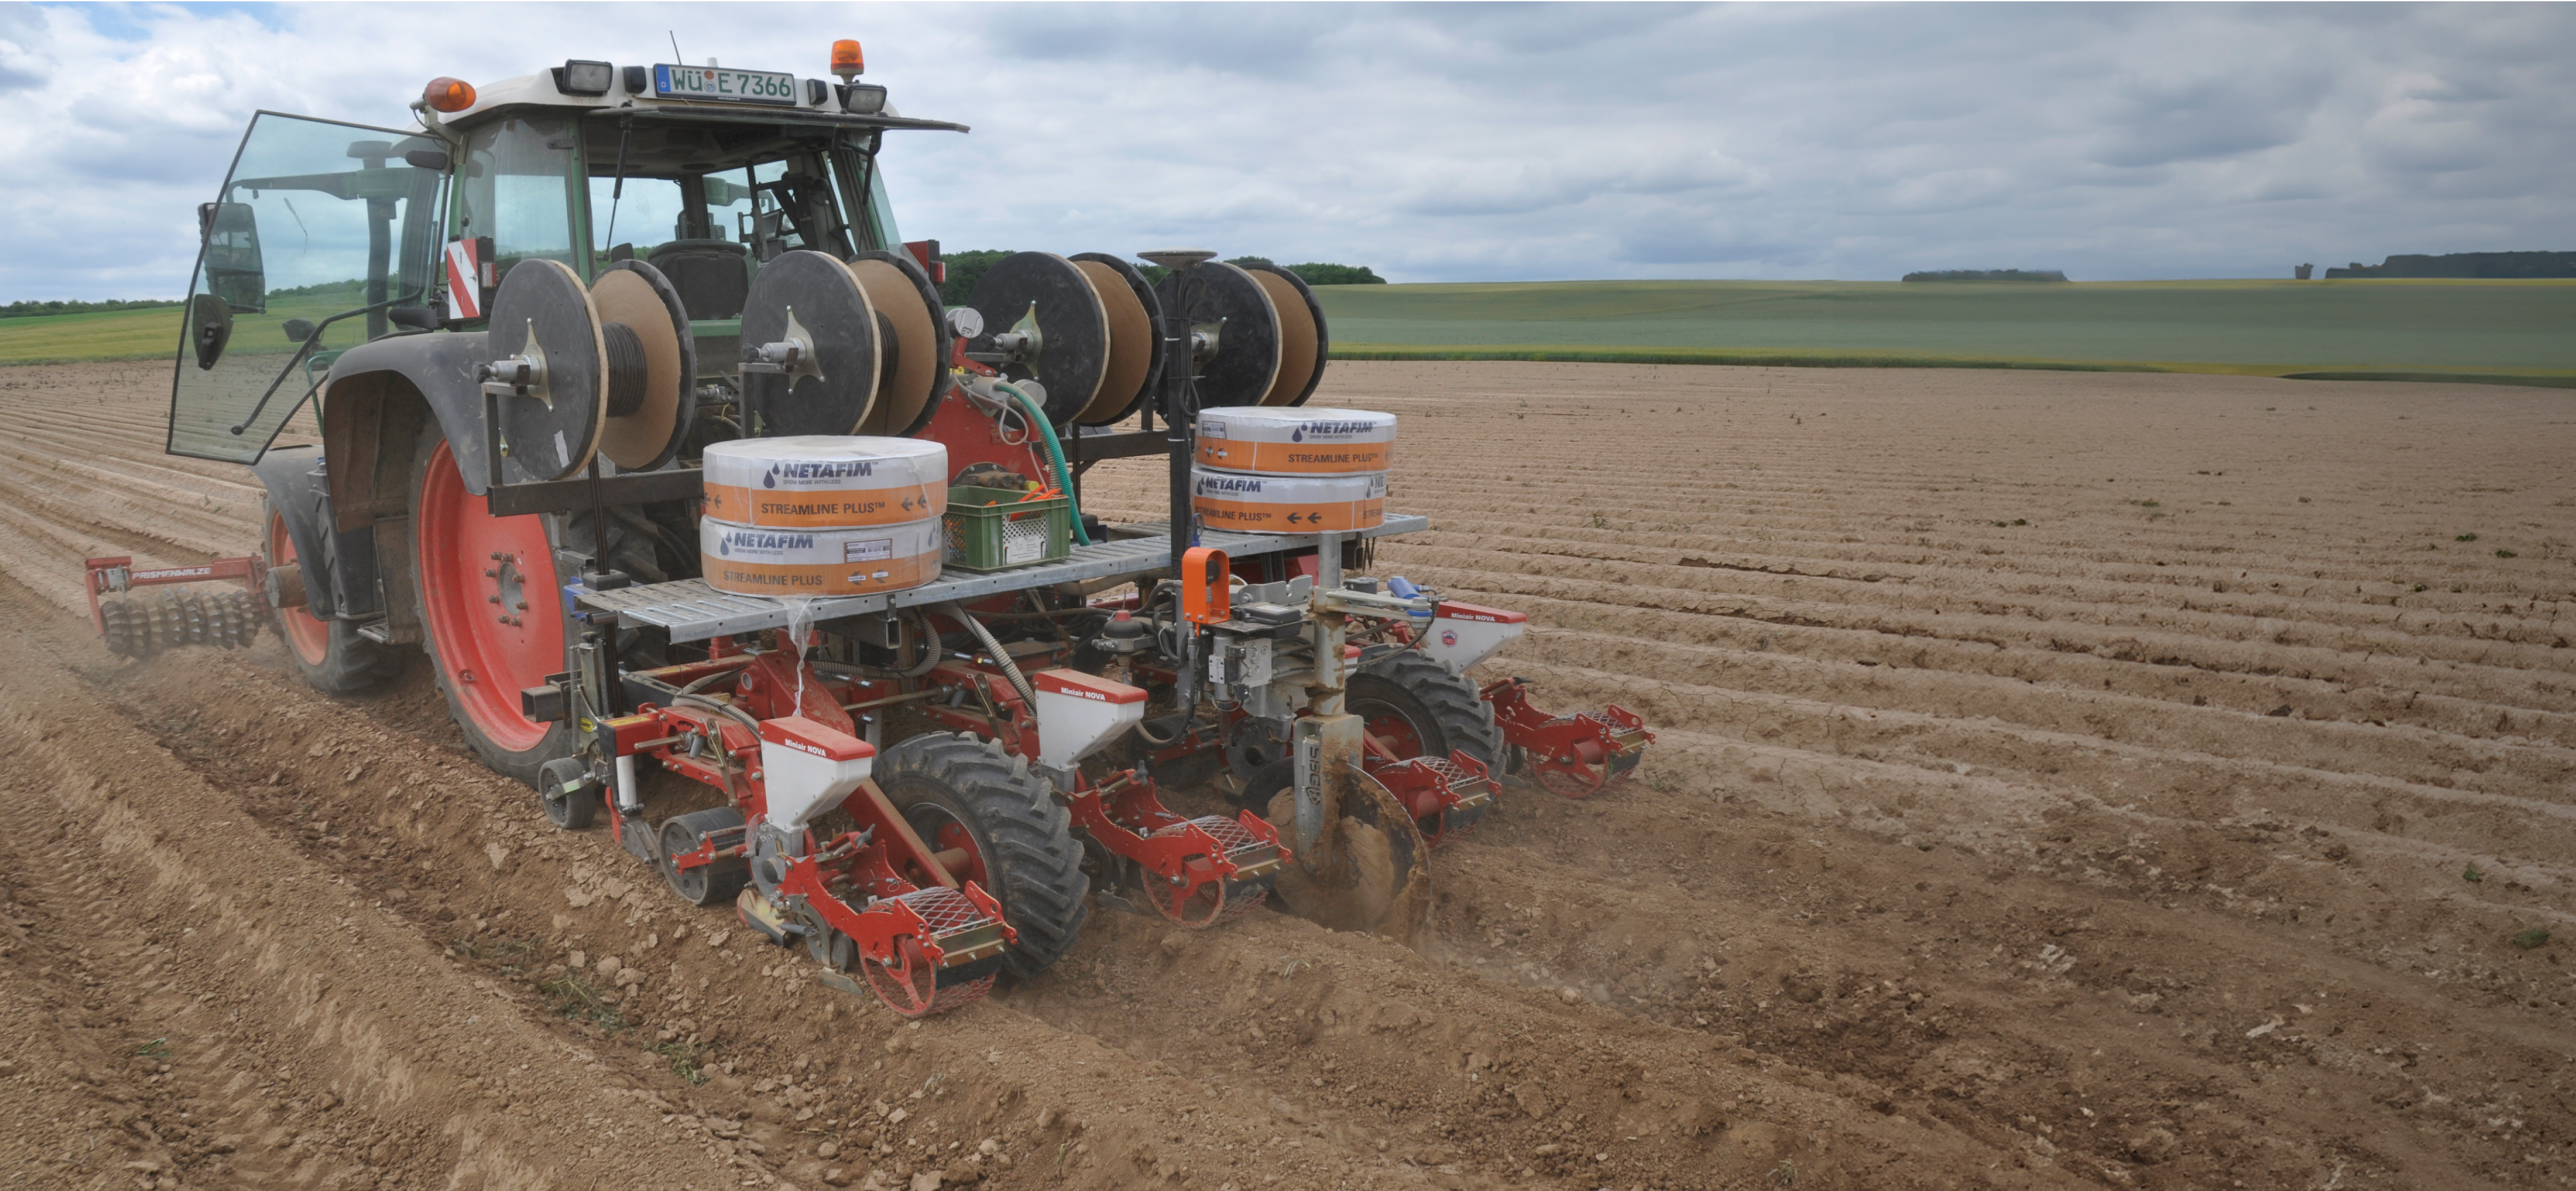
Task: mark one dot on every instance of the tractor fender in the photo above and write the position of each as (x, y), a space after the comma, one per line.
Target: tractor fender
(374, 401)
(339, 566)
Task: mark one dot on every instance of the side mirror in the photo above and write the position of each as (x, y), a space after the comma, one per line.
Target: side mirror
(234, 271)
(298, 329)
(417, 318)
(427, 159)
(210, 327)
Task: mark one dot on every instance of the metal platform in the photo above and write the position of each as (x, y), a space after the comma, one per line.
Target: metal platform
(692, 611)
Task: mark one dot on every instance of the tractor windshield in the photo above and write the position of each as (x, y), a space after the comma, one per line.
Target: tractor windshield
(707, 203)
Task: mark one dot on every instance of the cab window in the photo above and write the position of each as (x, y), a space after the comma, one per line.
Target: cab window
(515, 185)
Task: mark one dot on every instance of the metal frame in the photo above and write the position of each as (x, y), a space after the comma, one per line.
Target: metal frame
(690, 610)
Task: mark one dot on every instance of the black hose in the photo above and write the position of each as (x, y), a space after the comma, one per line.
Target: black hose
(1010, 668)
(740, 716)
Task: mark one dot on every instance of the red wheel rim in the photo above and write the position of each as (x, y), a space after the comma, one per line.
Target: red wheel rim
(909, 985)
(1395, 732)
(1193, 907)
(943, 832)
(304, 632)
(475, 572)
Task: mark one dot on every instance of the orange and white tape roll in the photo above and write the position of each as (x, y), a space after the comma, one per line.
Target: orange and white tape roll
(1287, 504)
(819, 481)
(1295, 442)
(757, 560)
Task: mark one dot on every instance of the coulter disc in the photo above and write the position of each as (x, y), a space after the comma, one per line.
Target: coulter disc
(1370, 870)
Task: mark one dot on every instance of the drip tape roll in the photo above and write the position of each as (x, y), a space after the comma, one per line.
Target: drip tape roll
(1288, 504)
(755, 560)
(1295, 442)
(825, 481)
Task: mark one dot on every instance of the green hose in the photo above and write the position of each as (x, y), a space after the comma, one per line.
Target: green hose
(1055, 453)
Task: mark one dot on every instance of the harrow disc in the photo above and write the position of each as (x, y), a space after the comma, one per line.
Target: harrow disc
(116, 627)
(1370, 874)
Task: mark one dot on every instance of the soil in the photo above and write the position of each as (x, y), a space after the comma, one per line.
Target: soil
(2062, 779)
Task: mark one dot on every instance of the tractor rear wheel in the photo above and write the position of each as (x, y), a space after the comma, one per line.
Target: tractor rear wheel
(1419, 707)
(964, 793)
(491, 604)
(328, 654)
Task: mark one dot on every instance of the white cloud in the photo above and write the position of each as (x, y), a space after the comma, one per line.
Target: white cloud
(1444, 142)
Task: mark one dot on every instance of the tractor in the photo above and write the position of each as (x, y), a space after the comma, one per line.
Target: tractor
(527, 327)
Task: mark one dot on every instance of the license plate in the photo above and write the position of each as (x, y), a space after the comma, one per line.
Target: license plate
(723, 84)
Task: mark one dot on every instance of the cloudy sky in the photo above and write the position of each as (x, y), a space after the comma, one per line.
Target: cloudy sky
(1444, 143)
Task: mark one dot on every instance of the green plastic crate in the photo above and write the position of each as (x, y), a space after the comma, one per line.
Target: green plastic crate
(990, 529)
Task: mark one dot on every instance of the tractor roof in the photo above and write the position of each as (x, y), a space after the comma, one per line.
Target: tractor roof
(540, 91)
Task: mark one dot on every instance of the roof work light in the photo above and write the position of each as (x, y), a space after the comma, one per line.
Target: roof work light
(577, 77)
(448, 95)
(863, 99)
(847, 61)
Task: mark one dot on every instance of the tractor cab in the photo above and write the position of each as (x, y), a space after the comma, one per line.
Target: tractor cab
(327, 235)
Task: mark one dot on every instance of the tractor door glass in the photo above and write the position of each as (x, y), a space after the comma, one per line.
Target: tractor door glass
(297, 245)
(516, 186)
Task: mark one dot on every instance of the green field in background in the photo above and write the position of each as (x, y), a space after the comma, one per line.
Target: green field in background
(103, 335)
(2469, 329)
(2256, 327)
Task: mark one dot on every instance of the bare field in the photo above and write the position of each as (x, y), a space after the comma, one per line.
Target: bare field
(2064, 778)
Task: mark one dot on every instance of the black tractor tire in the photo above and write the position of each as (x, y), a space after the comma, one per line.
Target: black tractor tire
(351, 664)
(1440, 704)
(1024, 838)
(710, 884)
(632, 547)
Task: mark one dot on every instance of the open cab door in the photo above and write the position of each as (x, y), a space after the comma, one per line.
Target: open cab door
(298, 261)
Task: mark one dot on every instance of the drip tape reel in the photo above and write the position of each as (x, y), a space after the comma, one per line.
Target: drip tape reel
(579, 373)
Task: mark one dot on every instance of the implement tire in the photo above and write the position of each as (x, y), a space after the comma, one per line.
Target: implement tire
(1422, 708)
(961, 791)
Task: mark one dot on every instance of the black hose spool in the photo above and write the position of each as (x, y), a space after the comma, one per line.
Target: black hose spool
(829, 388)
(1304, 345)
(1223, 301)
(1044, 321)
(652, 365)
(550, 424)
(1135, 316)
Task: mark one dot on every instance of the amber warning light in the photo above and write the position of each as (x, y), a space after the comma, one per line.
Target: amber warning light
(846, 59)
(448, 95)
